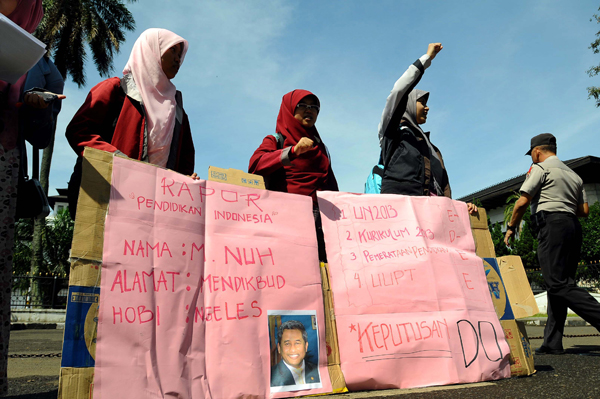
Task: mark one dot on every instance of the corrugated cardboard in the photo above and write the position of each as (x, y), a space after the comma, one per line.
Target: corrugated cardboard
(235, 176)
(338, 383)
(484, 246)
(85, 273)
(77, 372)
(76, 383)
(521, 356)
(324, 276)
(500, 298)
(331, 340)
(88, 234)
(517, 286)
(479, 219)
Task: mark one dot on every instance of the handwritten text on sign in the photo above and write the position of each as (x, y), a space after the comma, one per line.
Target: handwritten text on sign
(411, 299)
(190, 270)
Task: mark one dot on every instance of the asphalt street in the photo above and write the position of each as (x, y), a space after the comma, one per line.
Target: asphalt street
(573, 375)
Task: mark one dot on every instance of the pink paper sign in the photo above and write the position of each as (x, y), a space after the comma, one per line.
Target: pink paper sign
(192, 271)
(411, 299)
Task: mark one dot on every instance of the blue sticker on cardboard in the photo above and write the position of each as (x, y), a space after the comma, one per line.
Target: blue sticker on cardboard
(81, 325)
(497, 290)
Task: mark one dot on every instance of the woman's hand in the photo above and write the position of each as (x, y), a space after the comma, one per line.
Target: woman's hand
(303, 146)
(471, 208)
(34, 100)
(195, 176)
(434, 49)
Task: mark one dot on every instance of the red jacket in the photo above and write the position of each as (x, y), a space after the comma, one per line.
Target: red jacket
(109, 120)
(282, 174)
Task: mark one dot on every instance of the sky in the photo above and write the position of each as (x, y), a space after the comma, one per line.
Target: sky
(508, 71)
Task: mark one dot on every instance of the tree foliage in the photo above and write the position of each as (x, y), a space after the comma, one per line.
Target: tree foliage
(510, 206)
(69, 27)
(590, 250)
(594, 91)
(498, 239)
(57, 234)
(22, 249)
(526, 245)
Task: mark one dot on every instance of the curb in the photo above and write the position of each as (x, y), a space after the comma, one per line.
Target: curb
(541, 321)
(36, 326)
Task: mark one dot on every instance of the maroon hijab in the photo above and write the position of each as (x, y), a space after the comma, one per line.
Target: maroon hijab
(27, 15)
(311, 171)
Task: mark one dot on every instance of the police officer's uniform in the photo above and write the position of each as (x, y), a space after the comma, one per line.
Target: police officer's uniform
(556, 192)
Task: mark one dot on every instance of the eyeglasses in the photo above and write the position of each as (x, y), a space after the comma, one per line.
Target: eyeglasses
(304, 107)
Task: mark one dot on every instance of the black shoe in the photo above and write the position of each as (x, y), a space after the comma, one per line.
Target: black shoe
(544, 350)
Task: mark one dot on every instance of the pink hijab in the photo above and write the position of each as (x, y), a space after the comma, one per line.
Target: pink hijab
(27, 15)
(157, 91)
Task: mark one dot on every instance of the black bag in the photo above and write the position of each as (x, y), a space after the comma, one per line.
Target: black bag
(32, 202)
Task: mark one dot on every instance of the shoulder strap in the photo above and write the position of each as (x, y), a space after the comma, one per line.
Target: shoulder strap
(378, 170)
(279, 138)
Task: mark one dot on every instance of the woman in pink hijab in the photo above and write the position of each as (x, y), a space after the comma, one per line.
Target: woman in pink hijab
(139, 114)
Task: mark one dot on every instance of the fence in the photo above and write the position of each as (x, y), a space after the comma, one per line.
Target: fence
(50, 292)
(587, 276)
(47, 292)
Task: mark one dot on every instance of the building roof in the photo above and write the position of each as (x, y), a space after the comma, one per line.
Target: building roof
(588, 168)
(61, 197)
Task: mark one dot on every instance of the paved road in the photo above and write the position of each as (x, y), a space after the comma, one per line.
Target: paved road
(573, 376)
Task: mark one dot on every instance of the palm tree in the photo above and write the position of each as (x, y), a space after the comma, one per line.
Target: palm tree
(69, 25)
(510, 206)
(68, 28)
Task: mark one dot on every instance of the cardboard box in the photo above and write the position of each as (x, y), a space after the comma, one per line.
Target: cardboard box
(325, 276)
(517, 286)
(484, 246)
(338, 383)
(235, 176)
(500, 298)
(331, 340)
(479, 219)
(92, 205)
(76, 383)
(521, 355)
(79, 343)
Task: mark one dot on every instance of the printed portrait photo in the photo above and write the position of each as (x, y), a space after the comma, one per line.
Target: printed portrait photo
(294, 343)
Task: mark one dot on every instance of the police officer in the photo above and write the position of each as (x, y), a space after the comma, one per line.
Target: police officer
(557, 198)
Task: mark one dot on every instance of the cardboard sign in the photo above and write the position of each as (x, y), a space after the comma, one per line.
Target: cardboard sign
(412, 304)
(195, 276)
(517, 286)
(497, 290)
(484, 246)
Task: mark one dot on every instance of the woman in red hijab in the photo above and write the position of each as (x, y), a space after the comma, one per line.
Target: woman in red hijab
(295, 160)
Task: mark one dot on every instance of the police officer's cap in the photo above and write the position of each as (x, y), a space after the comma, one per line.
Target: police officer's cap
(541, 139)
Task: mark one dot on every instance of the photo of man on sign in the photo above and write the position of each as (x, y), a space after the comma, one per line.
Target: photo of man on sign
(293, 367)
